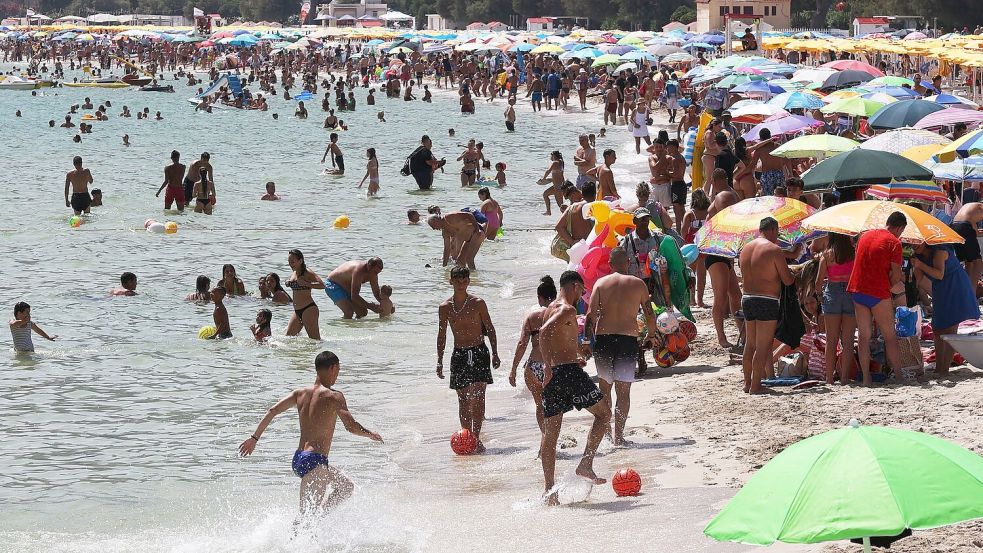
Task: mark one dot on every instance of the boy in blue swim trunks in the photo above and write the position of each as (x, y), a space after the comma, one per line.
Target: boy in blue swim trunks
(344, 286)
(319, 407)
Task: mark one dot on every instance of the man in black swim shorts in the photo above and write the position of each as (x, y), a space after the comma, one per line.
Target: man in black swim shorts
(78, 180)
(567, 386)
(469, 320)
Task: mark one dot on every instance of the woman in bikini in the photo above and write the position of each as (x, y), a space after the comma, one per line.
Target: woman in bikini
(554, 176)
(233, 285)
(302, 281)
(710, 152)
(535, 368)
(744, 182)
(692, 222)
(204, 193)
(492, 211)
(371, 173)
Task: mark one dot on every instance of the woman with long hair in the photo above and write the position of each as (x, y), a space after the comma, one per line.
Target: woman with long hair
(535, 368)
(835, 266)
(302, 280)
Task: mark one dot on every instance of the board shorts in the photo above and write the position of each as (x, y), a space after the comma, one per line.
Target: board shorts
(661, 193)
(760, 308)
(174, 194)
(582, 180)
(836, 300)
(424, 179)
(340, 162)
(616, 357)
(770, 180)
(81, 201)
(679, 190)
(336, 291)
(306, 461)
(470, 366)
(970, 250)
(569, 388)
(510, 126)
(537, 96)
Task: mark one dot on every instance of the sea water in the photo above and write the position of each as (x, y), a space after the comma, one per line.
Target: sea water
(122, 434)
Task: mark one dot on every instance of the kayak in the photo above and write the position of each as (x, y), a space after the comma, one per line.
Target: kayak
(97, 84)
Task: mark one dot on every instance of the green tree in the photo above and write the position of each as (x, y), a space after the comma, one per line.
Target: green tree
(684, 15)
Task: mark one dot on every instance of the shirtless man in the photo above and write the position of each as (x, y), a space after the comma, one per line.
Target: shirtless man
(677, 175)
(566, 384)
(469, 320)
(221, 315)
(128, 285)
(194, 173)
(765, 270)
(460, 230)
(611, 102)
(173, 174)
(605, 177)
(572, 226)
(966, 223)
(723, 278)
(659, 167)
(469, 169)
(585, 158)
(344, 286)
(78, 180)
(319, 406)
(337, 158)
(772, 167)
(613, 321)
(536, 91)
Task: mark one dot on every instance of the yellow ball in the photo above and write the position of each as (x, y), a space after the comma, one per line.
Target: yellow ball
(342, 222)
(170, 227)
(207, 332)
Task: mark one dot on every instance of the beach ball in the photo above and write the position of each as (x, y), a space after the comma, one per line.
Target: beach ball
(463, 442)
(170, 227)
(688, 328)
(663, 358)
(676, 341)
(207, 332)
(147, 223)
(156, 228)
(667, 323)
(75, 221)
(690, 253)
(342, 222)
(682, 354)
(626, 482)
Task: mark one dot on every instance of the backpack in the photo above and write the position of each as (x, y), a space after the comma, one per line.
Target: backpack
(671, 89)
(405, 171)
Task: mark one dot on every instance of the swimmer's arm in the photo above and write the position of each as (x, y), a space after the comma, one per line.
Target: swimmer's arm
(520, 349)
(68, 182)
(441, 338)
(249, 444)
(352, 425)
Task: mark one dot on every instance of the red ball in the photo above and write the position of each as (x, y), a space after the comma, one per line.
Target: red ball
(626, 482)
(840, 6)
(663, 358)
(463, 442)
(676, 341)
(682, 354)
(688, 328)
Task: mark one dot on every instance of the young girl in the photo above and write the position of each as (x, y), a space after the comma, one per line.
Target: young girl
(22, 325)
(692, 222)
(261, 330)
(371, 173)
(492, 211)
(500, 174)
(554, 176)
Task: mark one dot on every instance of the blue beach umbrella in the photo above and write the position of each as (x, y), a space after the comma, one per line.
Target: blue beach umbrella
(898, 92)
(758, 87)
(796, 100)
(639, 55)
(521, 47)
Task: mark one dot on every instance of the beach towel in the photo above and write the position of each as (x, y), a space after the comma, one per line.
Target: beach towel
(689, 144)
(791, 328)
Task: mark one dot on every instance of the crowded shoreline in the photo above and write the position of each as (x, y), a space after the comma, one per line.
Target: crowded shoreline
(468, 241)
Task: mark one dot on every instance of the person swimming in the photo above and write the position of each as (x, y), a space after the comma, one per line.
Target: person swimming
(261, 330)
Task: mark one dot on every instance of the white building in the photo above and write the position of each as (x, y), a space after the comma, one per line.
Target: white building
(330, 13)
(866, 25)
(535, 24)
(437, 22)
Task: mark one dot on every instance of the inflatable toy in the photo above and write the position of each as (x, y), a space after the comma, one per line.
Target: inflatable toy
(170, 227)
(342, 222)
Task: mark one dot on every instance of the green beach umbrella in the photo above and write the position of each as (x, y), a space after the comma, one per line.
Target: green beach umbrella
(815, 145)
(859, 167)
(859, 107)
(606, 59)
(891, 80)
(854, 482)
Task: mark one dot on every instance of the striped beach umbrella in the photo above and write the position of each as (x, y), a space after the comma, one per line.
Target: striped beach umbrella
(922, 191)
(727, 232)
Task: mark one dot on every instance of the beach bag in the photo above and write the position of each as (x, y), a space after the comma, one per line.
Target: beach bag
(907, 322)
(816, 366)
(405, 171)
(791, 366)
(912, 362)
(478, 215)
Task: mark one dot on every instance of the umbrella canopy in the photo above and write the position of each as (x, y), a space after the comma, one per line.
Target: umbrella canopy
(898, 479)
(860, 167)
(547, 48)
(961, 169)
(952, 100)
(880, 98)
(242, 40)
(899, 140)
(606, 59)
(400, 50)
(949, 117)
(815, 145)
(892, 80)
(967, 145)
(904, 113)
(727, 232)
(926, 191)
(858, 107)
(758, 87)
(664, 50)
(892, 91)
(812, 74)
(678, 57)
(781, 125)
(755, 113)
(627, 66)
(797, 100)
(843, 65)
(852, 218)
(846, 78)
(736, 80)
(638, 55)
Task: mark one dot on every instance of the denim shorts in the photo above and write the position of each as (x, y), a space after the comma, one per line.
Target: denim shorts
(836, 300)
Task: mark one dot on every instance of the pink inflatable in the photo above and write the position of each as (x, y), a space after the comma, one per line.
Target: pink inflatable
(595, 263)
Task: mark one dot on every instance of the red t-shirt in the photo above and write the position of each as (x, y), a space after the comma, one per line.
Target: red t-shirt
(876, 251)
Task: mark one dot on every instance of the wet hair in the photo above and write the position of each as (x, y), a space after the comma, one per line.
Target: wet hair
(205, 156)
(77, 160)
(333, 136)
(699, 200)
(127, 277)
(227, 267)
(608, 152)
(371, 153)
(275, 280)
(96, 192)
(841, 247)
(386, 290)
(460, 272)
(546, 288)
(896, 220)
(175, 155)
(589, 190)
(202, 283)
(267, 318)
(557, 155)
(20, 307)
(300, 256)
(499, 166)
(410, 213)
(483, 191)
(570, 277)
(325, 360)
(375, 262)
(768, 224)
(203, 173)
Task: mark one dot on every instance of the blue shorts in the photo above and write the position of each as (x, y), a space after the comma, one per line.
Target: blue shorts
(537, 96)
(306, 461)
(336, 291)
(866, 300)
(836, 300)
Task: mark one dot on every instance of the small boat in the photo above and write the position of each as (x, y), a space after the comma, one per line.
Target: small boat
(156, 88)
(11, 82)
(133, 80)
(100, 83)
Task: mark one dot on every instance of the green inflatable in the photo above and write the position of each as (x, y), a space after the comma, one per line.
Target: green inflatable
(677, 276)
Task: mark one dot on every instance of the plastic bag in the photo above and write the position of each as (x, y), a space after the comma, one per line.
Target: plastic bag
(906, 323)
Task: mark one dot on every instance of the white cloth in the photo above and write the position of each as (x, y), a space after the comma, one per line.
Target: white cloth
(642, 130)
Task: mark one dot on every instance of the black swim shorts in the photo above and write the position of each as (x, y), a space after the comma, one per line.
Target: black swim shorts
(678, 192)
(189, 187)
(424, 179)
(760, 308)
(970, 250)
(470, 366)
(616, 357)
(81, 201)
(510, 126)
(569, 387)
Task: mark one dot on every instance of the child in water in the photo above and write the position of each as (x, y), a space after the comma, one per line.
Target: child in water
(386, 307)
(500, 174)
(261, 330)
(427, 97)
(371, 173)
(412, 217)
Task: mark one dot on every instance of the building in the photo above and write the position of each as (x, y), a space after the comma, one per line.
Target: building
(497, 26)
(710, 13)
(544, 24)
(437, 22)
(347, 14)
(867, 25)
(477, 26)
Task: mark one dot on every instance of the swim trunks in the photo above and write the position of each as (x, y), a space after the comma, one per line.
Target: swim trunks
(770, 180)
(189, 188)
(612, 107)
(510, 126)
(760, 308)
(470, 366)
(336, 292)
(537, 96)
(538, 369)
(968, 251)
(661, 193)
(340, 162)
(424, 179)
(174, 194)
(306, 461)
(81, 201)
(711, 259)
(569, 387)
(582, 180)
(616, 357)
(679, 192)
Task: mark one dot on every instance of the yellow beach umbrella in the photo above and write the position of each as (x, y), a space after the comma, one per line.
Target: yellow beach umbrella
(548, 48)
(921, 154)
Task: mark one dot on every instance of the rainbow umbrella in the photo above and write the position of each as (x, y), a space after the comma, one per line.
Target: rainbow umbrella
(922, 191)
(731, 229)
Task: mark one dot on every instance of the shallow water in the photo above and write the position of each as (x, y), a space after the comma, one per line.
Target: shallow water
(122, 434)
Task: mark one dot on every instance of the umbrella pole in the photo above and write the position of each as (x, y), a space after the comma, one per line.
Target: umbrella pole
(866, 544)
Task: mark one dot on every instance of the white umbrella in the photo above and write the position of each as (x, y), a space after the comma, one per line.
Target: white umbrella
(625, 66)
(103, 18)
(812, 74)
(899, 140)
(664, 50)
(678, 57)
(395, 16)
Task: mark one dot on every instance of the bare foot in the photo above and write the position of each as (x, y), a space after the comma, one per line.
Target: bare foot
(552, 500)
(480, 448)
(588, 473)
(623, 443)
(547, 213)
(699, 303)
(725, 345)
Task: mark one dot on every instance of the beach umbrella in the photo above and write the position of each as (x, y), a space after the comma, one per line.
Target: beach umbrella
(968, 169)
(921, 191)
(922, 154)
(903, 113)
(892, 91)
(638, 55)
(965, 146)
(678, 57)
(664, 50)
(591, 53)
(754, 113)
(521, 47)
(859, 167)
(87, 37)
(951, 100)
(846, 78)
(727, 232)
(840, 95)
(880, 98)
(897, 479)
(900, 140)
(400, 50)
(813, 74)
(891, 80)
(630, 39)
(857, 107)
(949, 117)
(618, 48)
(757, 87)
(781, 125)
(797, 100)
(815, 145)
(548, 48)
(854, 65)
(731, 81)
(700, 45)
(625, 67)
(242, 40)
(186, 39)
(606, 59)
